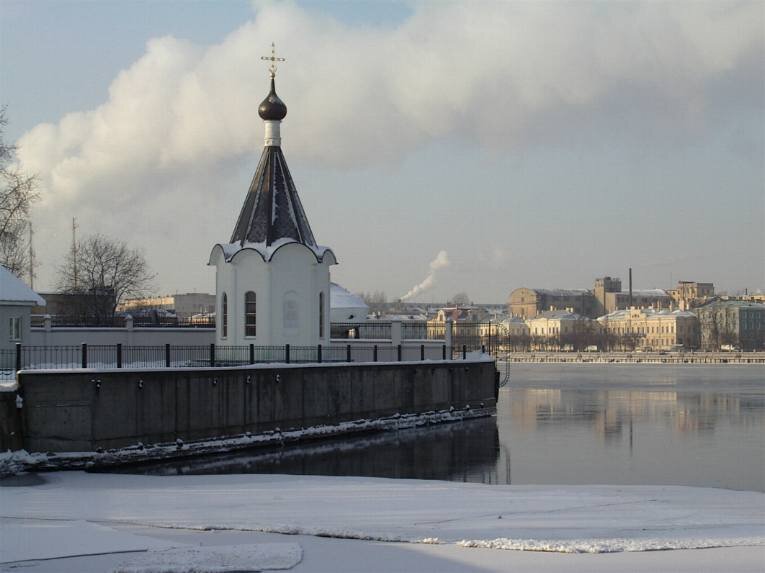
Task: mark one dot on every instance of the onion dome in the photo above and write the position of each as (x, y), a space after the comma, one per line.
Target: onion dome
(272, 108)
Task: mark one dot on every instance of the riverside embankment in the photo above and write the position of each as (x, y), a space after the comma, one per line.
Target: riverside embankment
(637, 357)
(114, 415)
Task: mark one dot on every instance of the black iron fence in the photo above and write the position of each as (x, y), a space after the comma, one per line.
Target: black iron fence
(470, 333)
(121, 321)
(170, 356)
(372, 330)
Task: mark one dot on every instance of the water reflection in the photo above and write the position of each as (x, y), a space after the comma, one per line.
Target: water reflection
(463, 451)
(563, 424)
(636, 425)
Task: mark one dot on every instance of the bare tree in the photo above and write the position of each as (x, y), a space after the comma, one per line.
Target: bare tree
(104, 271)
(17, 192)
(376, 301)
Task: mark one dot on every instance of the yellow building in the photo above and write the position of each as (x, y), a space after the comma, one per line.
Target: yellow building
(556, 324)
(514, 326)
(653, 329)
(689, 294)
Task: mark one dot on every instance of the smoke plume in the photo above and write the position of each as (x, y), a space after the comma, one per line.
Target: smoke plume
(440, 262)
(180, 120)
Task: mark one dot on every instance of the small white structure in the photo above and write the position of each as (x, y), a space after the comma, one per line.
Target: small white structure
(16, 302)
(346, 306)
(272, 278)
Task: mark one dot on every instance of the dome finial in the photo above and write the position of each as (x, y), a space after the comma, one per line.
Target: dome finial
(272, 109)
(273, 59)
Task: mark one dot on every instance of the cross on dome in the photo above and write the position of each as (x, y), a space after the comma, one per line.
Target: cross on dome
(273, 59)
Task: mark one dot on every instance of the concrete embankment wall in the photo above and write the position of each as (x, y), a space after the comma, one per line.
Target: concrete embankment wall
(85, 410)
(10, 422)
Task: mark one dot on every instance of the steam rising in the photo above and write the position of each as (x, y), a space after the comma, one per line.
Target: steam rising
(176, 122)
(440, 262)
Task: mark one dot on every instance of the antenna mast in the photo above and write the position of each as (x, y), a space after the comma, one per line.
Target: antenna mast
(74, 251)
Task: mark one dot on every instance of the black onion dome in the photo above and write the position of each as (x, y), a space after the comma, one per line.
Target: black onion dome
(272, 108)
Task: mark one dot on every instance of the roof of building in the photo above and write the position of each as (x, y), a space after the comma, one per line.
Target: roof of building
(733, 303)
(340, 297)
(647, 292)
(272, 209)
(648, 314)
(560, 291)
(558, 315)
(14, 290)
(514, 321)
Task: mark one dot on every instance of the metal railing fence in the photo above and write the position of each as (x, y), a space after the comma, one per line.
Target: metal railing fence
(120, 321)
(171, 356)
(372, 330)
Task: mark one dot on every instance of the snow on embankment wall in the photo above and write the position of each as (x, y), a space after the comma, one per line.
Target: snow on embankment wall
(92, 410)
(10, 422)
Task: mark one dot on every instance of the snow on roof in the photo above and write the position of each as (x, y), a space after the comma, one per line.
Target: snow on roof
(646, 292)
(230, 250)
(646, 313)
(560, 291)
(343, 298)
(559, 314)
(13, 290)
(405, 317)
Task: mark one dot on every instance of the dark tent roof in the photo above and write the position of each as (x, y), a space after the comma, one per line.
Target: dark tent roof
(272, 208)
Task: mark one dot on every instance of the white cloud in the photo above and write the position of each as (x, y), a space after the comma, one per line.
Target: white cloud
(177, 121)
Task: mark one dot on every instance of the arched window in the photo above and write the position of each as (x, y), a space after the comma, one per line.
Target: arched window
(224, 315)
(321, 315)
(250, 314)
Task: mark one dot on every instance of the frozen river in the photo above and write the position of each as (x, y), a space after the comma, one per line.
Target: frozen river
(561, 424)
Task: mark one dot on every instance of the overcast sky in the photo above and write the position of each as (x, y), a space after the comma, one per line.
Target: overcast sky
(536, 144)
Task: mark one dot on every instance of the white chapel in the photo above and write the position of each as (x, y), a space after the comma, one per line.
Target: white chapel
(272, 278)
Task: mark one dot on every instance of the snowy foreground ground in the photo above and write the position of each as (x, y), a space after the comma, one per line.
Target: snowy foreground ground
(82, 522)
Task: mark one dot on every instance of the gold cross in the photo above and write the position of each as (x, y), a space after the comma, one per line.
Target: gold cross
(273, 59)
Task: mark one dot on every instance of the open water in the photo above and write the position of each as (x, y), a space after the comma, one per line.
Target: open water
(560, 424)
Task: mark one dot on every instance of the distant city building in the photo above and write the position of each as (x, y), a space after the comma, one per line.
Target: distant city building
(183, 305)
(605, 286)
(464, 319)
(558, 324)
(609, 297)
(640, 298)
(653, 329)
(756, 297)
(95, 307)
(606, 296)
(529, 302)
(460, 314)
(689, 294)
(16, 302)
(514, 326)
(732, 324)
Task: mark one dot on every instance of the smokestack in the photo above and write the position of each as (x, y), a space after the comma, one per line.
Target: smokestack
(630, 299)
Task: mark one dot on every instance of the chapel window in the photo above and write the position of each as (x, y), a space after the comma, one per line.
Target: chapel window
(250, 313)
